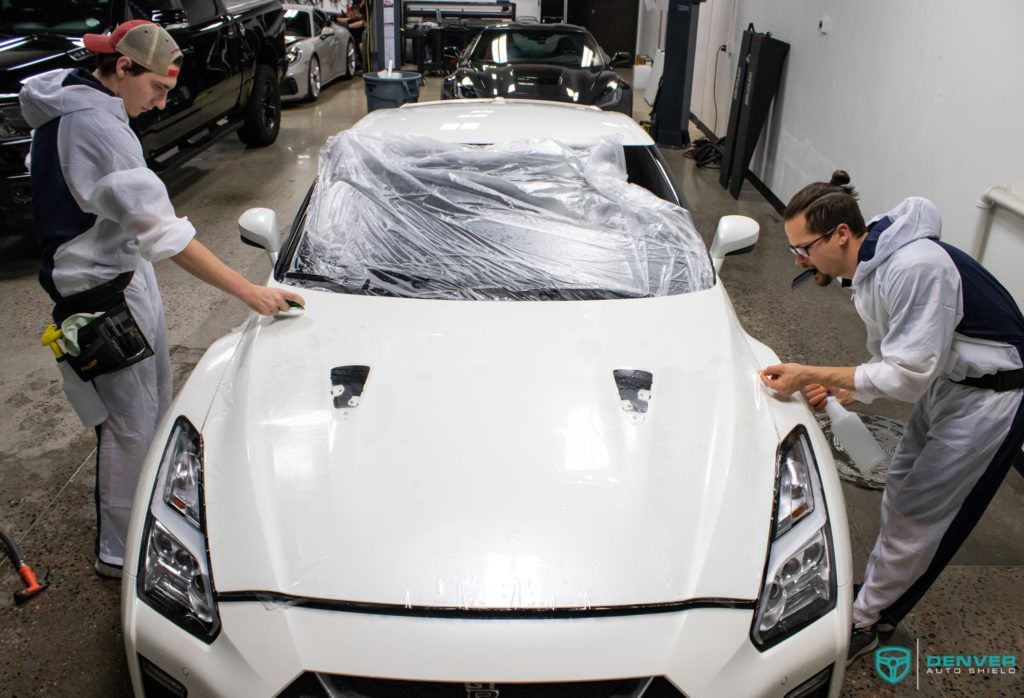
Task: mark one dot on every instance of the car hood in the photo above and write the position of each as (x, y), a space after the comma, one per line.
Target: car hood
(24, 56)
(538, 81)
(489, 462)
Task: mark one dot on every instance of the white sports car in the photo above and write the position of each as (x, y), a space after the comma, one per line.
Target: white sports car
(515, 445)
(319, 51)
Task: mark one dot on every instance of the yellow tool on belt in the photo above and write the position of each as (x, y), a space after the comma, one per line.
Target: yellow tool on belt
(82, 395)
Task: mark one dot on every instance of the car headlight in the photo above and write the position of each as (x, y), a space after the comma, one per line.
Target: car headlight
(611, 94)
(799, 584)
(12, 123)
(294, 54)
(174, 567)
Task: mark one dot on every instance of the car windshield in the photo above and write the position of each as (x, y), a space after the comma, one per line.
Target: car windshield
(569, 49)
(296, 24)
(64, 17)
(525, 220)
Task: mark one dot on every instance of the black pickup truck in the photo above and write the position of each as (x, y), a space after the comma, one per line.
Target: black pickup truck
(234, 59)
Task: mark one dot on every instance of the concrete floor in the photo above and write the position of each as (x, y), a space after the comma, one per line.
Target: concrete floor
(68, 641)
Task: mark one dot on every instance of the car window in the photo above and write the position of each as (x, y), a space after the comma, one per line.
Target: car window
(571, 49)
(406, 216)
(646, 168)
(319, 21)
(296, 24)
(200, 10)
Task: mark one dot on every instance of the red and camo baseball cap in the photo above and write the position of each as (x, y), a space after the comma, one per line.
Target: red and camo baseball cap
(146, 43)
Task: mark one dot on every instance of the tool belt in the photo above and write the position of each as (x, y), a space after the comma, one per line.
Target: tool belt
(109, 342)
(1001, 382)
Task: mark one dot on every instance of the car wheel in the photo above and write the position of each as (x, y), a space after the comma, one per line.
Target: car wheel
(263, 110)
(314, 79)
(350, 60)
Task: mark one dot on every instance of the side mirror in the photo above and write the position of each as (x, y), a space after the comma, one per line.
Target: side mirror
(620, 59)
(326, 32)
(452, 54)
(173, 19)
(735, 235)
(258, 227)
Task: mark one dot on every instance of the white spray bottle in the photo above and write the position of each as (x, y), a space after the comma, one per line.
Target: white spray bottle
(854, 436)
(82, 395)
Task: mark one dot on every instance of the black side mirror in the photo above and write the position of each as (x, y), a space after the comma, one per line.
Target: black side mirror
(173, 20)
(452, 54)
(620, 59)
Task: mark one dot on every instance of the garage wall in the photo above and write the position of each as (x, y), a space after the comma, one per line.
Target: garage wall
(914, 97)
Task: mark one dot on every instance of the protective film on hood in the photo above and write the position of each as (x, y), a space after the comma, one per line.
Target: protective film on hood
(524, 220)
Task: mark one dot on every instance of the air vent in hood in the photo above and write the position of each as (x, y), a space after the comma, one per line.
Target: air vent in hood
(347, 385)
(634, 391)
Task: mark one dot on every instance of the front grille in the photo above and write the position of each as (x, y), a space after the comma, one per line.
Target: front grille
(312, 685)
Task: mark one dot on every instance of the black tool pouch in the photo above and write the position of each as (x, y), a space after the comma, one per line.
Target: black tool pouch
(109, 342)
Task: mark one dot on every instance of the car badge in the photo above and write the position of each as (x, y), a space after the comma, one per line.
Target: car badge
(892, 663)
(481, 690)
(80, 54)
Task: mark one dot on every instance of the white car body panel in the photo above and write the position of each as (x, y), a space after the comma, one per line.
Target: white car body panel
(489, 468)
(482, 121)
(490, 455)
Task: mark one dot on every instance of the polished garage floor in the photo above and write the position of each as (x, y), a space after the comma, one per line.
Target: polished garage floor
(68, 641)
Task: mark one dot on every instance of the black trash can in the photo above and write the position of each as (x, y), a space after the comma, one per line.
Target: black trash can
(382, 91)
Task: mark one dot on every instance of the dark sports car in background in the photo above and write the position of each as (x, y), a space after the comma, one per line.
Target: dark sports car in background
(555, 62)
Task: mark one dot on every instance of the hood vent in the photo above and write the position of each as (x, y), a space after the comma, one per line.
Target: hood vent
(634, 391)
(347, 385)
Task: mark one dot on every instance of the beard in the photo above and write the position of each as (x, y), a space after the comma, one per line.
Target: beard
(821, 278)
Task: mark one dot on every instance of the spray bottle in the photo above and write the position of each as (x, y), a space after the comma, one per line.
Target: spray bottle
(82, 395)
(854, 436)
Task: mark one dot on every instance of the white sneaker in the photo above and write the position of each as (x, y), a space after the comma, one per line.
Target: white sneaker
(104, 570)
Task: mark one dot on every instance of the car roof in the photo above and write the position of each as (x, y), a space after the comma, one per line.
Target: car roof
(532, 26)
(481, 121)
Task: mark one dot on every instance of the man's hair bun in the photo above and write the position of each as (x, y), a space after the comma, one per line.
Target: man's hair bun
(840, 178)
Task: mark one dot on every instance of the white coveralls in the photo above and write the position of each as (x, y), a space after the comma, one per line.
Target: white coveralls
(100, 211)
(933, 316)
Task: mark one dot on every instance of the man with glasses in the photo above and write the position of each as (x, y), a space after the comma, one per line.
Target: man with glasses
(943, 334)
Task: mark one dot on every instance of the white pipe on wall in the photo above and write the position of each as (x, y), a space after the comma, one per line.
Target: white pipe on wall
(995, 196)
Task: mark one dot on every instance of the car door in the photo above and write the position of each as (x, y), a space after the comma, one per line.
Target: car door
(327, 46)
(210, 79)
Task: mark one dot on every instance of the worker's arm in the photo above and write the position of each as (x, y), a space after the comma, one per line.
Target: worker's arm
(786, 379)
(198, 261)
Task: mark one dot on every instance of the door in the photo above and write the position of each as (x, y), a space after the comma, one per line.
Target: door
(328, 47)
(613, 24)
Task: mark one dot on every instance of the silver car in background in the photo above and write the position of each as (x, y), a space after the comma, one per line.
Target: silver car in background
(318, 52)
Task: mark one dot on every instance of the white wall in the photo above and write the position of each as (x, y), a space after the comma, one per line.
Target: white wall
(917, 97)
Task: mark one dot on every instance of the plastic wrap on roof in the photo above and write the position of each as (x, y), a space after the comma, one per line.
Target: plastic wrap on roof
(523, 220)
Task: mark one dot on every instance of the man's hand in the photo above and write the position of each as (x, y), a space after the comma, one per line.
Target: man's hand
(268, 301)
(816, 395)
(785, 379)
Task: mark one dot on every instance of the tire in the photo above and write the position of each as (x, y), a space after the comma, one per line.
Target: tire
(313, 84)
(350, 60)
(263, 110)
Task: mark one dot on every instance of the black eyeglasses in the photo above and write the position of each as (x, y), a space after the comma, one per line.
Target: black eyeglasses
(805, 250)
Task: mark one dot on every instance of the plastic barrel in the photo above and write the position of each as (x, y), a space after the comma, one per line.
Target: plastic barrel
(383, 92)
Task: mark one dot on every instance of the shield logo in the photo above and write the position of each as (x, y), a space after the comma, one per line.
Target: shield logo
(892, 663)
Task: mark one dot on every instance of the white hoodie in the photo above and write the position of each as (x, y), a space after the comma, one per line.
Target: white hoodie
(910, 296)
(102, 164)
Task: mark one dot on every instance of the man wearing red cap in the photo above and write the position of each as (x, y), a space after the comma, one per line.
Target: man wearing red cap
(102, 217)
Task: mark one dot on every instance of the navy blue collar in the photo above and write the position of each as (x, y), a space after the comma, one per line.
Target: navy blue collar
(875, 230)
(81, 76)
